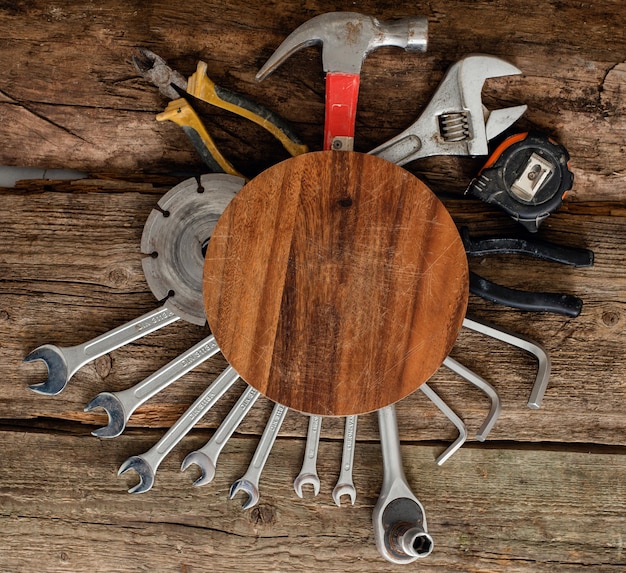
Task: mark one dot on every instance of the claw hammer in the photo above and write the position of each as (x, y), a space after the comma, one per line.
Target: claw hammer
(346, 38)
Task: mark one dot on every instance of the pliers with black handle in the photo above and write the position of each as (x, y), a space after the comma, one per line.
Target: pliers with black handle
(564, 304)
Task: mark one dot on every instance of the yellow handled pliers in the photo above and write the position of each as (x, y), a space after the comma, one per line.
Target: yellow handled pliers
(171, 84)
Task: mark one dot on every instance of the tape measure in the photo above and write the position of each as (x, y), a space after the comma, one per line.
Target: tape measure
(527, 176)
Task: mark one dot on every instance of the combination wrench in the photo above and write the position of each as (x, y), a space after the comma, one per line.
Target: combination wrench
(173, 238)
(146, 464)
(206, 457)
(119, 406)
(345, 484)
(249, 482)
(308, 473)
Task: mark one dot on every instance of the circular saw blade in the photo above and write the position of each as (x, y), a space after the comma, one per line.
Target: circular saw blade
(175, 236)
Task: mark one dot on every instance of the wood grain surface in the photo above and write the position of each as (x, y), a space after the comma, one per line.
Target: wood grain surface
(544, 494)
(335, 283)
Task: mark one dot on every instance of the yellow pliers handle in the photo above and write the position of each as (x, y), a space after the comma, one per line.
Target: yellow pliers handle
(180, 112)
(202, 87)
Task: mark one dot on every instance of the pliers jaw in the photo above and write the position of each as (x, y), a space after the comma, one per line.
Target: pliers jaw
(155, 69)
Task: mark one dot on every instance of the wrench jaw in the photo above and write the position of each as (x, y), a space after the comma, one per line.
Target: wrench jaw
(206, 465)
(247, 487)
(143, 469)
(342, 489)
(58, 376)
(111, 404)
(306, 479)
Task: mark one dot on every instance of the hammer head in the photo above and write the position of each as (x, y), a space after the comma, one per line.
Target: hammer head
(347, 38)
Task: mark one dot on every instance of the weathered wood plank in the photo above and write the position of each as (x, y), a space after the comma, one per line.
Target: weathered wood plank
(495, 510)
(69, 95)
(58, 290)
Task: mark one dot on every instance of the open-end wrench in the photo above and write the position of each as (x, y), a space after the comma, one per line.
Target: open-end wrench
(120, 405)
(249, 482)
(173, 238)
(146, 464)
(543, 370)
(346, 38)
(485, 387)
(345, 484)
(449, 413)
(399, 519)
(308, 473)
(455, 122)
(206, 457)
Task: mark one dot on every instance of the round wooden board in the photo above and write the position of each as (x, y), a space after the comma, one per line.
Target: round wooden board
(335, 283)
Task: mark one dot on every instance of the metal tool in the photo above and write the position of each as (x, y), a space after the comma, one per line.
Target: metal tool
(206, 457)
(345, 484)
(346, 38)
(119, 406)
(450, 414)
(146, 464)
(543, 370)
(399, 519)
(173, 237)
(455, 122)
(527, 176)
(308, 473)
(485, 387)
(173, 85)
(249, 482)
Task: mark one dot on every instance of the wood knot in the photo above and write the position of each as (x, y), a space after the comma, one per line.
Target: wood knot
(263, 515)
(345, 202)
(4, 315)
(610, 318)
(118, 277)
(103, 366)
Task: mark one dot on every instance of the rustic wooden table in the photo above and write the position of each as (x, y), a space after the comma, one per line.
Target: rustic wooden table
(546, 491)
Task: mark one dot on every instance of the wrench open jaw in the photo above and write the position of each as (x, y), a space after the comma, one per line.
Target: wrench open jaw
(145, 471)
(342, 489)
(251, 489)
(118, 417)
(58, 375)
(455, 122)
(206, 465)
(306, 479)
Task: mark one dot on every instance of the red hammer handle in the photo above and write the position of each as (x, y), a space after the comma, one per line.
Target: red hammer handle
(342, 92)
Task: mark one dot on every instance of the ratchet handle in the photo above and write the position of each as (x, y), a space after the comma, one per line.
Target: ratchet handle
(564, 304)
(538, 249)
(203, 88)
(342, 93)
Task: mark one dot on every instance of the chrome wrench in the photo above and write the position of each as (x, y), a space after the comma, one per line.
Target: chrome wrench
(249, 482)
(173, 238)
(206, 457)
(399, 520)
(308, 473)
(119, 406)
(146, 464)
(345, 484)
(455, 122)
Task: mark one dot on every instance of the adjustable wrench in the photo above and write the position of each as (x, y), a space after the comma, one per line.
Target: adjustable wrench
(399, 520)
(345, 484)
(455, 122)
(249, 482)
(146, 464)
(173, 238)
(308, 473)
(119, 406)
(206, 457)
